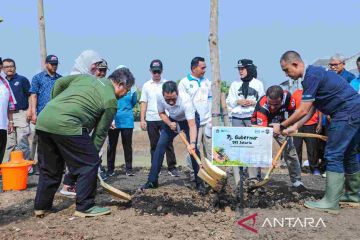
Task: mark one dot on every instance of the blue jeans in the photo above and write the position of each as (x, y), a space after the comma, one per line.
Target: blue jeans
(166, 137)
(340, 150)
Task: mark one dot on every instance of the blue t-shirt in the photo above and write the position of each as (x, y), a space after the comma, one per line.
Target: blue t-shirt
(20, 86)
(331, 93)
(348, 76)
(355, 83)
(124, 116)
(42, 85)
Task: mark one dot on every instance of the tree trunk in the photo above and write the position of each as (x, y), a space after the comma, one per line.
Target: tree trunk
(42, 33)
(215, 65)
(224, 109)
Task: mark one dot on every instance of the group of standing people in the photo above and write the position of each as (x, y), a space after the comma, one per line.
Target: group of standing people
(73, 116)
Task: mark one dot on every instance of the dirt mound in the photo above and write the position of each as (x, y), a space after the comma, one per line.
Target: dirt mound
(175, 211)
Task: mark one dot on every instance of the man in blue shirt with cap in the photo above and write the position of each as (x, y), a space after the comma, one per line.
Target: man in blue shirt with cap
(328, 92)
(40, 90)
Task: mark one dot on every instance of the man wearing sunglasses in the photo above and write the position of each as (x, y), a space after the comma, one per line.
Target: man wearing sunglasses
(150, 120)
(182, 116)
(40, 90)
(337, 64)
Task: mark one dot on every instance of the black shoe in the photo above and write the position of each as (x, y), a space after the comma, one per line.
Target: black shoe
(298, 186)
(110, 173)
(149, 185)
(174, 172)
(130, 173)
(103, 175)
(201, 189)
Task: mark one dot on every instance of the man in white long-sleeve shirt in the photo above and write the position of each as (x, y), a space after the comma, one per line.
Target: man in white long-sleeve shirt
(198, 88)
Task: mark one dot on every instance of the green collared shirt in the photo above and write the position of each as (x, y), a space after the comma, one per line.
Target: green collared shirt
(78, 102)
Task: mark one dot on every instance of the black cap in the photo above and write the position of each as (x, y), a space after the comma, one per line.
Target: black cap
(102, 65)
(52, 59)
(244, 63)
(156, 65)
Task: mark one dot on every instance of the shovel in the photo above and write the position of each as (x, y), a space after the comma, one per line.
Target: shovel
(110, 189)
(277, 157)
(206, 168)
(273, 165)
(114, 191)
(309, 135)
(213, 171)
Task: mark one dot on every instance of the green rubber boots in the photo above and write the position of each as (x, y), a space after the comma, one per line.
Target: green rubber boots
(352, 188)
(333, 192)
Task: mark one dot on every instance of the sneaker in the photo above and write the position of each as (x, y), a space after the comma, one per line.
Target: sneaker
(103, 176)
(149, 185)
(323, 175)
(306, 163)
(68, 190)
(299, 185)
(316, 172)
(93, 212)
(110, 173)
(129, 173)
(102, 168)
(174, 172)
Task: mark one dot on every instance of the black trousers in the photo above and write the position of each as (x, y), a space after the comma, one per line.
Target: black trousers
(82, 160)
(3, 140)
(126, 139)
(153, 130)
(311, 146)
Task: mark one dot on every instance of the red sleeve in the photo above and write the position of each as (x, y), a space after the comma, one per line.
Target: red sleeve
(290, 103)
(259, 117)
(297, 97)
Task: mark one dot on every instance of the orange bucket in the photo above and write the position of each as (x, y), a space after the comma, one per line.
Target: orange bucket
(15, 172)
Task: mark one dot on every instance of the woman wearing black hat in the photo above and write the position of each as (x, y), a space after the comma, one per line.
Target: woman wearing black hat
(242, 98)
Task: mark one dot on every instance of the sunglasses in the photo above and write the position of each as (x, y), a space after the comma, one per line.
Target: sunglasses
(168, 100)
(102, 69)
(156, 72)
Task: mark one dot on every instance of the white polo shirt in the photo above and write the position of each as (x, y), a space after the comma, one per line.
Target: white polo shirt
(149, 93)
(182, 110)
(199, 90)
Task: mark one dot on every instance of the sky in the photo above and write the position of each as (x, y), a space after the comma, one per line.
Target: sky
(133, 33)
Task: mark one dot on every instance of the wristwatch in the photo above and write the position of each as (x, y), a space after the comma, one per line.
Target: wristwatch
(193, 142)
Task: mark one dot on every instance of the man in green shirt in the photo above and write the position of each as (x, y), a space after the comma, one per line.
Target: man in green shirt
(80, 104)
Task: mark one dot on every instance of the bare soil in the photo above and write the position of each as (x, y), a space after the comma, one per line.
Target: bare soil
(176, 211)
